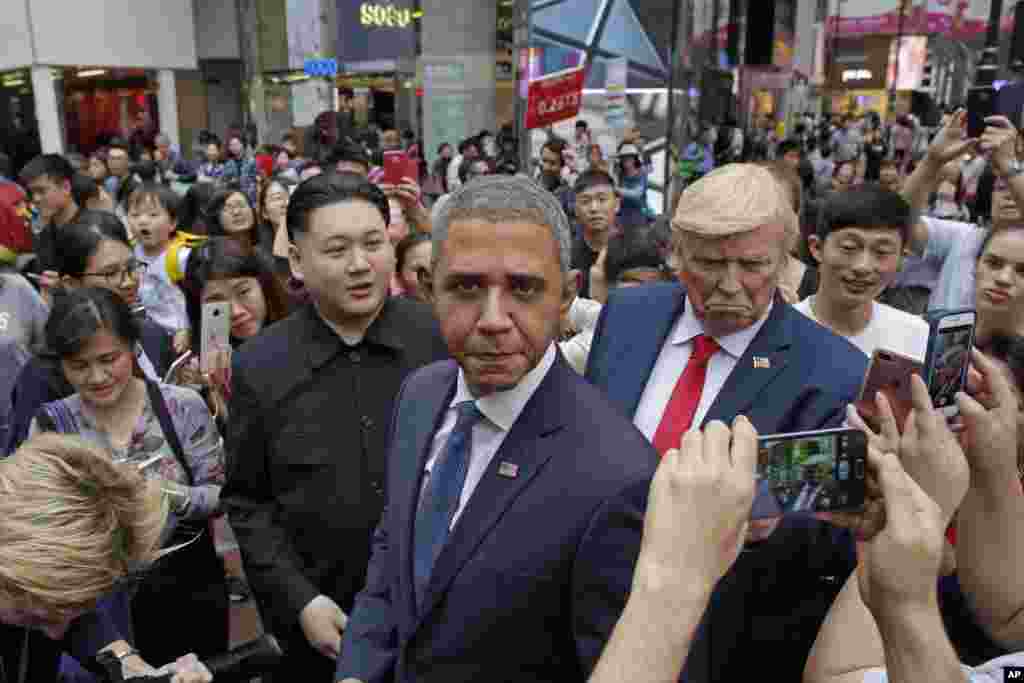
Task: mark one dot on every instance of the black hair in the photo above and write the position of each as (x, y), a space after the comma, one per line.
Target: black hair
(192, 211)
(346, 151)
(581, 124)
(162, 195)
(633, 249)
(558, 146)
(80, 240)
(331, 188)
(593, 178)
(215, 206)
(118, 143)
(467, 165)
(442, 146)
(467, 143)
(83, 188)
(79, 314)
(982, 208)
(53, 166)
(223, 258)
(147, 171)
(866, 206)
(5, 166)
(789, 145)
(403, 248)
(128, 185)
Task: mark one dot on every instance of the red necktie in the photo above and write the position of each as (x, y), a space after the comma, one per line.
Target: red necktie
(686, 396)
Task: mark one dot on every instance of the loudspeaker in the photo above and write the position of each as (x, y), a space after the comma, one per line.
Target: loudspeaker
(1017, 39)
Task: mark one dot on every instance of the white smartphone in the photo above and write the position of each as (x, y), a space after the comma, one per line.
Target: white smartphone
(216, 331)
(949, 355)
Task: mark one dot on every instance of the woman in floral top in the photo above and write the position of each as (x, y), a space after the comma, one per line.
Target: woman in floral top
(181, 605)
(213, 170)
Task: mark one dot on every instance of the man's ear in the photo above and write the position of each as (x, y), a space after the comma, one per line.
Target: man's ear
(295, 262)
(425, 276)
(570, 290)
(815, 245)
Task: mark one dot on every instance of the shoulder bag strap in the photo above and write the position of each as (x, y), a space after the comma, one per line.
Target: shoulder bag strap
(156, 400)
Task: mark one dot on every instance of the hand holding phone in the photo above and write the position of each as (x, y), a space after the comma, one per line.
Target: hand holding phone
(398, 165)
(981, 104)
(216, 341)
(950, 340)
(815, 472)
(888, 374)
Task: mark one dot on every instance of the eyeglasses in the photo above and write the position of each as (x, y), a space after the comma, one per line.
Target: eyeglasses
(235, 207)
(116, 277)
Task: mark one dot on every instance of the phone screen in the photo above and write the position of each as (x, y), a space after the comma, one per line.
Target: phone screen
(815, 471)
(981, 104)
(950, 358)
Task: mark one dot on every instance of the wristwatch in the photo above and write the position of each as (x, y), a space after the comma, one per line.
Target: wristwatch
(1014, 169)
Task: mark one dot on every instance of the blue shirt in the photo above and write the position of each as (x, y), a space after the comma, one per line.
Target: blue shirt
(952, 249)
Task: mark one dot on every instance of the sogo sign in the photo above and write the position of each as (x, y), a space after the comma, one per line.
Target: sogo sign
(554, 98)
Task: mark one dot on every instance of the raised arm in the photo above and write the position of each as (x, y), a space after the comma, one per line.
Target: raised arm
(990, 524)
(694, 528)
(950, 143)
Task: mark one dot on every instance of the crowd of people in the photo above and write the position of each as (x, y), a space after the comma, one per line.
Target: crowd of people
(481, 423)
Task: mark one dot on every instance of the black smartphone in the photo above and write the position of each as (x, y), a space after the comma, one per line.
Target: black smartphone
(981, 104)
(820, 471)
(949, 356)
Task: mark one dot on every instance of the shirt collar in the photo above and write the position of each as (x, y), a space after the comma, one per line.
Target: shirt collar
(504, 407)
(735, 344)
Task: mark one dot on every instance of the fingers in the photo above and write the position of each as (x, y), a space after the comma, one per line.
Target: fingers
(189, 669)
(691, 446)
(857, 422)
(716, 444)
(897, 489)
(997, 383)
(890, 430)
(744, 445)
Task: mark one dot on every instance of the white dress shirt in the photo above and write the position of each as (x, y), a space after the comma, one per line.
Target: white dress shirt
(500, 410)
(673, 359)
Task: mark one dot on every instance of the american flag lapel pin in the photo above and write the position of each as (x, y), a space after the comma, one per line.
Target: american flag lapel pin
(508, 469)
(761, 363)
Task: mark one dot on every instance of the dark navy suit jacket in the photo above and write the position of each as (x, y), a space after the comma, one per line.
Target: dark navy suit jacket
(538, 567)
(812, 372)
(766, 612)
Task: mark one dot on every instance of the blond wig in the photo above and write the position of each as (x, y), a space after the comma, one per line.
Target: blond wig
(731, 200)
(72, 524)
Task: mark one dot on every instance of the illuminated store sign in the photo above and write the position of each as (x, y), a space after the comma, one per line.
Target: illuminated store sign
(857, 75)
(385, 16)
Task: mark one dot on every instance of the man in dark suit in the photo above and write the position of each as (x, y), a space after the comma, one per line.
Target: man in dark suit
(722, 344)
(516, 491)
(311, 399)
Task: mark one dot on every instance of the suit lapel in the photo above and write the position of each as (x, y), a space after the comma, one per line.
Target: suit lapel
(633, 365)
(765, 358)
(521, 451)
(413, 438)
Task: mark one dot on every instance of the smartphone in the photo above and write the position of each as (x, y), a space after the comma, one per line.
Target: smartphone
(890, 373)
(820, 471)
(950, 340)
(398, 165)
(981, 104)
(216, 330)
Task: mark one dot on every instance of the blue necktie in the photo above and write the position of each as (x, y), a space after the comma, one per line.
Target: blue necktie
(440, 499)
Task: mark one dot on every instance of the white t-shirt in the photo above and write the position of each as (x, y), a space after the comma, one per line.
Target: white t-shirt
(890, 329)
(164, 300)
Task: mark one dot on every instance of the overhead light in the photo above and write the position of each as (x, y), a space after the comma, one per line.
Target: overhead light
(295, 78)
(91, 72)
(14, 82)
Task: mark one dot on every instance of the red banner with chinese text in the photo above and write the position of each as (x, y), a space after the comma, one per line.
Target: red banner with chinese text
(554, 98)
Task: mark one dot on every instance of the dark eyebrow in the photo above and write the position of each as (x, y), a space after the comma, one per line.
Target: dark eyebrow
(464, 279)
(524, 281)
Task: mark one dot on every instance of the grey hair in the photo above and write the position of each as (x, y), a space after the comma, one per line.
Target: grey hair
(484, 196)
